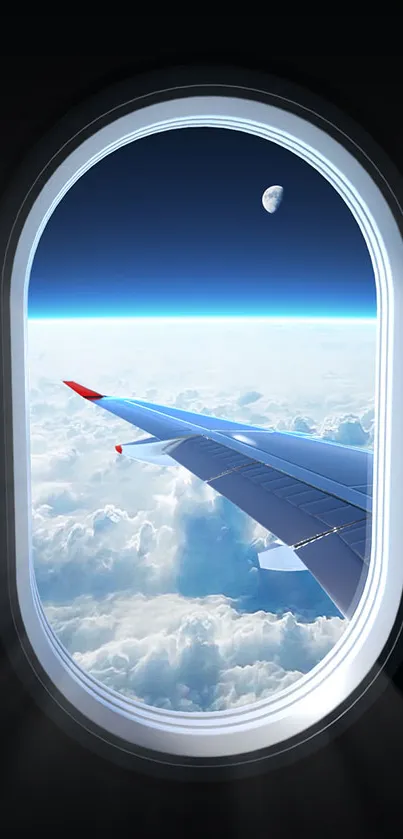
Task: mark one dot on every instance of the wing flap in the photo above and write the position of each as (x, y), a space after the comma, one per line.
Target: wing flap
(337, 568)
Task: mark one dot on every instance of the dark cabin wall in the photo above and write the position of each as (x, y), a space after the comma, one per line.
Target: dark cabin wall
(48, 779)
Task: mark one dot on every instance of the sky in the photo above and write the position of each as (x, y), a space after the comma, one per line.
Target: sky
(173, 224)
(149, 577)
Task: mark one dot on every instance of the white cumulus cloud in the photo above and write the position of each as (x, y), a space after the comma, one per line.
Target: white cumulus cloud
(149, 577)
(190, 654)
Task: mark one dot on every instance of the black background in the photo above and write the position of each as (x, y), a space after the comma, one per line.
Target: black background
(352, 786)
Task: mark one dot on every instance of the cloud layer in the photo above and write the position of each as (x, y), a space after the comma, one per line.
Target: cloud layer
(192, 655)
(150, 578)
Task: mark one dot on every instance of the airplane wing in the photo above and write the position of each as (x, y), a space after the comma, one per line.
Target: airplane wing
(313, 495)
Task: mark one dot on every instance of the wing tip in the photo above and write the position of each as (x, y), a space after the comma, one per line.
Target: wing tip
(83, 391)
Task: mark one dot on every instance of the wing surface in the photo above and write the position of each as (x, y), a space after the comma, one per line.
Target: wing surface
(314, 495)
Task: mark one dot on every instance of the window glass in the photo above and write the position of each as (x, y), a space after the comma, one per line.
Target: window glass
(214, 272)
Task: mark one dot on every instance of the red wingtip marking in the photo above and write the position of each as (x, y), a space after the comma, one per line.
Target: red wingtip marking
(84, 391)
(118, 449)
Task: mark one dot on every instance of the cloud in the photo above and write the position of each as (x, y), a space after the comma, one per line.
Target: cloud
(100, 553)
(183, 400)
(368, 418)
(190, 654)
(191, 541)
(304, 425)
(59, 498)
(149, 577)
(249, 397)
(347, 430)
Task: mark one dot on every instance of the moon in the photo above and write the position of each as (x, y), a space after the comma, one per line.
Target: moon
(271, 198)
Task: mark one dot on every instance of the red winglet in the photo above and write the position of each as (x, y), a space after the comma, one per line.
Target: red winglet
(84, 391)
(118, 449)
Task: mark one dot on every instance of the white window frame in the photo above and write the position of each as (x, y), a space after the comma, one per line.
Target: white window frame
(272, 722)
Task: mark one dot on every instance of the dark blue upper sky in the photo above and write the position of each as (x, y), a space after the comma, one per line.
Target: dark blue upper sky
(173, 224)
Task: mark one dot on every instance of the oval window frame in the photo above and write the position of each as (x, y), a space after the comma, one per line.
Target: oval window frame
(229, 734)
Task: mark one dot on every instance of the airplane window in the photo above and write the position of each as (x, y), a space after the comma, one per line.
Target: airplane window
(206, 358)
(171, 275)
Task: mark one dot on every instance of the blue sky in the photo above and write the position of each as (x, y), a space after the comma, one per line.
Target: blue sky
(173, 225)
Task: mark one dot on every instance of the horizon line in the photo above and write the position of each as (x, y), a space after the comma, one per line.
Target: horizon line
(176, 318)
